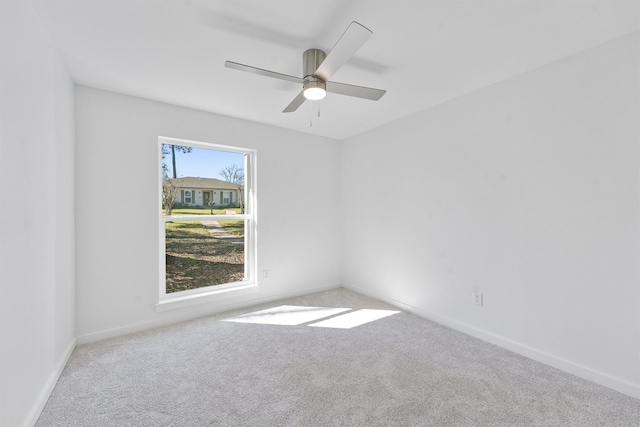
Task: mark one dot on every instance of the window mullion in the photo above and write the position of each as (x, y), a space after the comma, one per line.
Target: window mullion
(238, 217)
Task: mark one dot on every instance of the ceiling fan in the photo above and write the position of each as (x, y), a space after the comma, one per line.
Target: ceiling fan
(318, 67)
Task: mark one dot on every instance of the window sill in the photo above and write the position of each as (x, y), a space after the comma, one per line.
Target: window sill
(170, 303)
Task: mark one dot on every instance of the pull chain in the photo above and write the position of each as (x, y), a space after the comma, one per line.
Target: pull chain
(311, 104)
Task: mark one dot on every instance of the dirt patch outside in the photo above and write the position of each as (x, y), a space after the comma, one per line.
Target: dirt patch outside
(195, 259)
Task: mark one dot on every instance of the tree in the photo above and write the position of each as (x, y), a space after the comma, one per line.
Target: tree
(169, 194)
(171, 149)
(235, 175)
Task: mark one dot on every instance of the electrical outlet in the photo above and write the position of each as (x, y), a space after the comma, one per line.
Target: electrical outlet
(265, 274)
(477, 298)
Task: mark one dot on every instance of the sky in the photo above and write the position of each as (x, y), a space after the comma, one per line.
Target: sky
(203, 163)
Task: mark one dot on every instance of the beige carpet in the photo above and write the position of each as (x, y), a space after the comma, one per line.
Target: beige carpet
(303, 362)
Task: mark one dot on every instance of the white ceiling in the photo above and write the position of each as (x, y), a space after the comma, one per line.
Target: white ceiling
(423, 52)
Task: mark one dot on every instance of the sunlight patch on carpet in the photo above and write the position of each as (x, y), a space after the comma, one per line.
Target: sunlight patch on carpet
(287, 315)
(355, 318)
(294, 315)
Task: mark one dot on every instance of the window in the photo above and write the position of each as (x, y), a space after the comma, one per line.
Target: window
(205, 246)
(188, 197)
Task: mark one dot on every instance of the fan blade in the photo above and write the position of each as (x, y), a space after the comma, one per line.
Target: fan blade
(297, 101)
(350, 41)
(261, 72)
(357, 91)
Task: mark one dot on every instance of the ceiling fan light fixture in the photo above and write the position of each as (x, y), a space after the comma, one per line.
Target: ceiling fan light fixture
(318, 67)
(315, 93)
(315, 89)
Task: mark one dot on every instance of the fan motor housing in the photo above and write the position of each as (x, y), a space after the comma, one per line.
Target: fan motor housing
(311, 60)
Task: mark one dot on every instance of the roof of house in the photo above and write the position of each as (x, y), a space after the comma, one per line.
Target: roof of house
(204, 183)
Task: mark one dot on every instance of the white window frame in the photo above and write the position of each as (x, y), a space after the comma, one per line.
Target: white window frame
(200, 295)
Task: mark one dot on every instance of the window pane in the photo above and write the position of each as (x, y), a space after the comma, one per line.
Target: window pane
(200, 181)
(204, 253)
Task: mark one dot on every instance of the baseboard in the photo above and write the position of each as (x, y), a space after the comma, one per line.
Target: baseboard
(37, 408)
(589, 374)
(194, 312)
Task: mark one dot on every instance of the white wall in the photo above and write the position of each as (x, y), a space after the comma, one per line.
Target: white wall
(36, 215)
(117, 244)
(528, 190)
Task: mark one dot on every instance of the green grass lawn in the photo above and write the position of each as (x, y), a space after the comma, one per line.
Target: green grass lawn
(235, 227)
